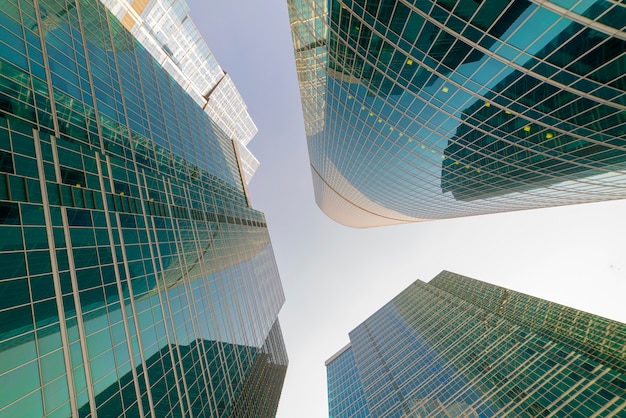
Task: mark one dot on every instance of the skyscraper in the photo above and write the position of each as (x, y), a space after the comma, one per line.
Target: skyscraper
(135, 277)
(458, 347)
(436, 109)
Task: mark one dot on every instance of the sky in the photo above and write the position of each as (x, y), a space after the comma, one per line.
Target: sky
(334, 277)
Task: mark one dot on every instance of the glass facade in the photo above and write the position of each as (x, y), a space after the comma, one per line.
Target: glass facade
(458, 347)
(164, 28)
(135, 277)
(420, 110)
(346, 399)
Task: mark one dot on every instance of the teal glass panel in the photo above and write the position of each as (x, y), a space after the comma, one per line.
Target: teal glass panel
(39, 262)
(9, 213)
(35, 238)
(11, 238)
(13, 293)
(14, 265)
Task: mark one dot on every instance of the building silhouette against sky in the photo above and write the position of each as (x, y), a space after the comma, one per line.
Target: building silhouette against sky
(459, 347)
(135, 277)
(426, 110)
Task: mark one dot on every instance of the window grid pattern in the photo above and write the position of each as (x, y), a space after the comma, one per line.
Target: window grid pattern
(345, 393)
(438, 109)
(164, 28)
(460, 347)
(136, 280)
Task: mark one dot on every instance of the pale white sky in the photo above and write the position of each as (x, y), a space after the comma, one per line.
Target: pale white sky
(335, 277)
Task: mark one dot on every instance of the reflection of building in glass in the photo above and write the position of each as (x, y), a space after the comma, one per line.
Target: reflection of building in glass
(524, 155)
(247, 393)
(437, 109)
(353, 43)
(135, 277)
(459, 347)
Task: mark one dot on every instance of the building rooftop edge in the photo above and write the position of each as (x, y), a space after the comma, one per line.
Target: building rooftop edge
(337, 354)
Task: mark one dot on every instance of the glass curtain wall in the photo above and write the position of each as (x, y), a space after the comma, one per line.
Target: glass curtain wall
(419, 110)
(463, 348)
(134, 275)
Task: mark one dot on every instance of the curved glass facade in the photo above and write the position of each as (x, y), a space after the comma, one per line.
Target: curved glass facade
(458, 347)
(419, 110)
(135, 278)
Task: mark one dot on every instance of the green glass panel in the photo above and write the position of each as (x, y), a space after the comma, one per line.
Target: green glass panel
(82, 237)
(39, 262)
(59, 237)
(35, 238)
(26, 166)
(79, 217)
(13, 293)
(56, 393)
(30, 406)
(9, 213)
(62, 260)
(52, 366)
(42, 287)
(6, 162)
(18, 191)
(85, 257)
(49, 339)
(45, 312)
(11, 238)
(88, 278)
(13, 265)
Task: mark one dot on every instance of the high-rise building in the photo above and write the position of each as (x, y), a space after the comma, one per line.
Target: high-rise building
(458, 347)
(135, 277)
(420, 110)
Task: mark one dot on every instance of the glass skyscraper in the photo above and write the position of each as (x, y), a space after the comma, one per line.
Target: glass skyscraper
(458, 347)
(420, 110)
(135, 277)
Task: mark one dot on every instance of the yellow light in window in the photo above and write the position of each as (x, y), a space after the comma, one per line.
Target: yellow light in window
(343, 6)
(357, 27)
(549, 135)
(467, 166)
(77, 184)
(487, 104)
(508, 112)
(445, 89)
(379, 120)
(423, 147)
(409, 62)
(152, 199)
(121, 193)
(478, 170)
(391, 128)
(400, 134)
(371, 113)
(456, 163)
(362, 107)
(349, 97)
(527, 128)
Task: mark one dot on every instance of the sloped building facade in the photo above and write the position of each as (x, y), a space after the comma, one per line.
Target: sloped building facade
(135, 277)
(458, 347)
